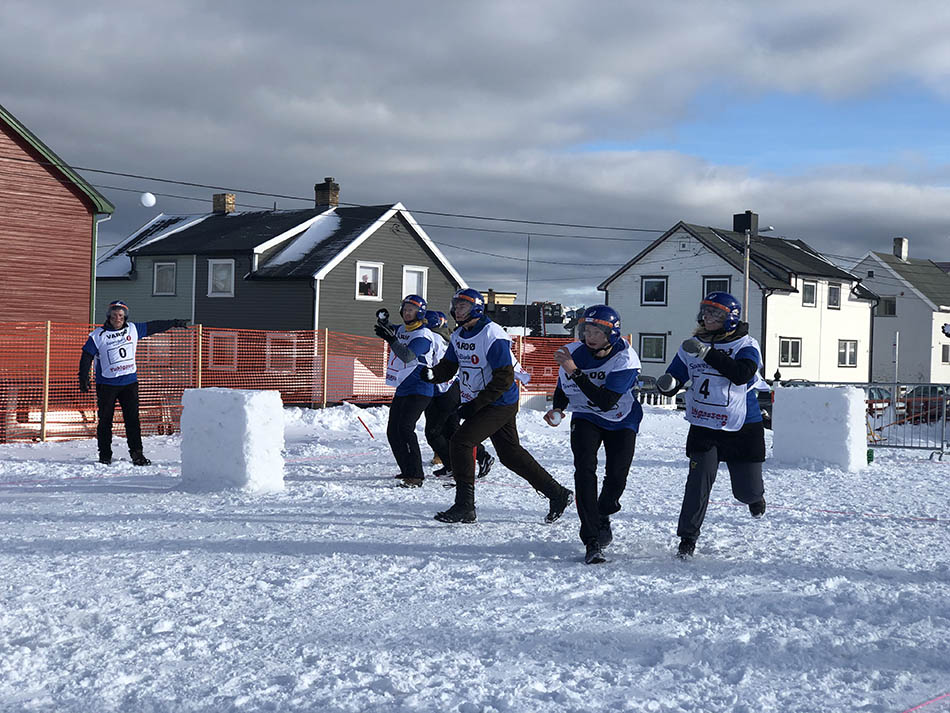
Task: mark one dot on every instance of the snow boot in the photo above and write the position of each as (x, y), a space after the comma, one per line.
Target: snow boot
(138, 458)
(757, 508)
(687, 548)
(595, 554)
(604, 534)
(443, 471)
(464, 508)
(411, 483)
(485, 464)
(105, 458)
(559, 501)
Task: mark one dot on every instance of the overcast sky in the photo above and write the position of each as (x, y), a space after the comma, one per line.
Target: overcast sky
(828, 118)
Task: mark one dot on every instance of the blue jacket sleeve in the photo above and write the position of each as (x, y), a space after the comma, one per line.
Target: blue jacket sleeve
(420, 346)
(90, 347)
(499, 354)
(622, 381)
(678, 369)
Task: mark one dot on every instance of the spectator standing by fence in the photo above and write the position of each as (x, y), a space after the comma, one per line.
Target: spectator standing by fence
(480, 352)
(721, 362)
(595, 382)
(410, 350)
(113, 346)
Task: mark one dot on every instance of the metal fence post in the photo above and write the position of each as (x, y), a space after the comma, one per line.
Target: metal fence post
(45, 382)
(326, 362)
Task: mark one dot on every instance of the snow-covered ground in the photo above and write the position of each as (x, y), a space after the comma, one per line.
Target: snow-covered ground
(343, 594)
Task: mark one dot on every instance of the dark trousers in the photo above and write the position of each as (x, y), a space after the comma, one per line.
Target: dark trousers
(442, 421)
(404, 413)
(499, 424)
(619, 445)
(128, 398)
(747, 487)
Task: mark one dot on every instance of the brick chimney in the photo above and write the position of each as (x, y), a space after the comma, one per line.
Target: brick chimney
(742, 222)
(222, 202)
(327, 193)
(900, 248)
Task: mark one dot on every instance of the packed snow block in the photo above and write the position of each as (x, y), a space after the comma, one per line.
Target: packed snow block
(232, 439)
(815, 423)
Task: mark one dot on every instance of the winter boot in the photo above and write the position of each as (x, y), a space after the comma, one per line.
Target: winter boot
(604, 534)
(105, 458)
(464, 508)
(559, 501)
(138, 458)
(595, 554)
(757, 508)
(687, 548)
(443, 471)
(411, 483)
(485, 464)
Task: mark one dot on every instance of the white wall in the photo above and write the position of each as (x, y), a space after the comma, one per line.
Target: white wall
(820, 328)
(685, 261)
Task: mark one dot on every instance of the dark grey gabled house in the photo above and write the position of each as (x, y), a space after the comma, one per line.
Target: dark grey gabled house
(324, 267)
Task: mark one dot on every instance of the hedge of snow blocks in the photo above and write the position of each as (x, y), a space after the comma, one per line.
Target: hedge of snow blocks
(816, 423)
(232, 438)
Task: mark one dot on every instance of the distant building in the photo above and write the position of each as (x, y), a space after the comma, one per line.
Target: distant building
(542, 319)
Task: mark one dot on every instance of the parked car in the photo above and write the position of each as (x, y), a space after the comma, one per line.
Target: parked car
(926, 402)
(791, 383)
(878, 399)
(646, 384)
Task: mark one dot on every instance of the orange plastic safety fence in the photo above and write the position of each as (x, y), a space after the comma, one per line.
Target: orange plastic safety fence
(39, 366)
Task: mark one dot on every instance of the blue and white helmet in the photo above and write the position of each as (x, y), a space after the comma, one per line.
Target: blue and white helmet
(606, 319)
(474, 297)
(721, 302)
(418, 302)
(435, 319)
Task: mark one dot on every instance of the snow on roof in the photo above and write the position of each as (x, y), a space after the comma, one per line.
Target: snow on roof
(114, 266)
(298, 248)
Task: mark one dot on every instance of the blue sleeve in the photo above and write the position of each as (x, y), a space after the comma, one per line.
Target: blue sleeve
(420, 346)
(499, 354)
(750, 353)
(90, 347)
(678, 369)
(450, 354)
(621, 381)
(141, 328)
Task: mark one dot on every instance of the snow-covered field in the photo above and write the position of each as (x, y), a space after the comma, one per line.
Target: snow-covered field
(343, 594)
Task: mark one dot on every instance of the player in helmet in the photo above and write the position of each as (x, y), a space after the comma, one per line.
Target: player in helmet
(112, 346)
(595, 382)
(410, 351)
(480, 351)
(721, 362)
(442, 420)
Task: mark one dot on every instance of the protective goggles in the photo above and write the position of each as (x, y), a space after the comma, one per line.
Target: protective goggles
(713, 311)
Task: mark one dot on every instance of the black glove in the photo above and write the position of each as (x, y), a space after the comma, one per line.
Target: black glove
(385, 332)
(695, 347)
(467, 410)
(180, 323)
(427, 375)
(84, 383)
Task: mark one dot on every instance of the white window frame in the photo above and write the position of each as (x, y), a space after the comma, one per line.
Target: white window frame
(643, 290)
(425, 280)
(274, 342)
(232, 363)
(945, 353)
(707, 278)
(850, 353)
(155, 267)
(791, 342)
(363, 265)
(813, 284)
(211, 265)
(834, 285)
(641, 350)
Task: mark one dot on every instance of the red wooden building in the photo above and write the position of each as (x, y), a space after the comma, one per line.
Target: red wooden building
(48, 222)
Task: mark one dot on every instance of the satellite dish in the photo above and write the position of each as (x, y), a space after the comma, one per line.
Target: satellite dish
(148, 199)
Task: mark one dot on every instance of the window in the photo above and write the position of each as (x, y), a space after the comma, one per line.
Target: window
(834, 296)
(281, 353)
(163, 281)
(809, 294)
(653, 347)
(716, 284)
(887, 307)
(847, 352)
(653, 291)
(945, 354)
(369, 280)
(789, 351)
(223, 351)
(220, 278)
(414, 281)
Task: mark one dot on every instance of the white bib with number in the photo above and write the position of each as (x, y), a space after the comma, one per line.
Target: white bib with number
(472, 355)
(397, 370)
(622, 360)
(116, 350)
(712, 401)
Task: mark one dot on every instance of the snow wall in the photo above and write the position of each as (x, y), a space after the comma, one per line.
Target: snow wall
(815, 423)
(232, 439)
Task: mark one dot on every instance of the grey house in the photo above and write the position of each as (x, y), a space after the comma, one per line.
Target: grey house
(324, 267)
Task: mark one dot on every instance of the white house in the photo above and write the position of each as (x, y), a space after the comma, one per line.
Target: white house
(910, 343)
(812, 319)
